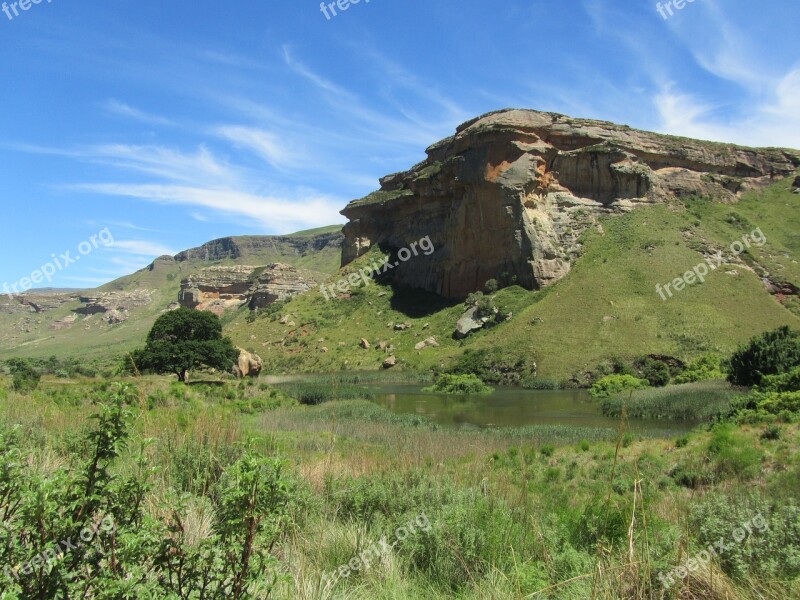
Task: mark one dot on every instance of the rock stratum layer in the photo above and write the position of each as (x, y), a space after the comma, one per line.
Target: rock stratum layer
(509, 195)
(219, 288)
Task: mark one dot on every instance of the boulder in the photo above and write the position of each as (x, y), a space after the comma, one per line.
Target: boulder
(248, 365)
(468, 323)
(364, 344)
(390, 362)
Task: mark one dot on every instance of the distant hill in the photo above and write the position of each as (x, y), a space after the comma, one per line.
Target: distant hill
(110, 320)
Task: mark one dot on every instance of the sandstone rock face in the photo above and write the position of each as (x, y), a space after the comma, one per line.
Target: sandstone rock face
(248, 365)
(510, 193)
(216, 288)
(278, 282)
(219, 288)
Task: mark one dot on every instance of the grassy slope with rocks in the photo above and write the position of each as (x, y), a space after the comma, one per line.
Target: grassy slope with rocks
(606, 307)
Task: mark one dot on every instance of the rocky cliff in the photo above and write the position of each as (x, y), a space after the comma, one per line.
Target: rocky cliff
(219, 288)
(509, 194)
(244, 247)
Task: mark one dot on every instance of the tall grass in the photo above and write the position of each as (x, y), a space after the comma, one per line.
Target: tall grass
(702, 401)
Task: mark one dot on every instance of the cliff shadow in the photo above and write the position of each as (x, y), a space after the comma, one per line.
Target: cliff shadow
(416, 304)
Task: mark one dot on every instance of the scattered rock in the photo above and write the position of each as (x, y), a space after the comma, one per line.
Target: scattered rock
(365, 344)
(390, 362)
(430, 342)
(249, 365)
(284, 319)
(402, 326)
(381, 346)
(324, 350)
(424, 327)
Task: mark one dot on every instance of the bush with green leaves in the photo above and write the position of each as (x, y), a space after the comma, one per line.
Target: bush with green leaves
(704, 368)
(141, 554)
(613, 385)
(24, 376)
(761, 536)
(491, 366)
(459, 384)
(656, 372)
(772, 353)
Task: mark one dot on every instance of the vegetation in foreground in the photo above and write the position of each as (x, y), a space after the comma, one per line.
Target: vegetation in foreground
(235, 490)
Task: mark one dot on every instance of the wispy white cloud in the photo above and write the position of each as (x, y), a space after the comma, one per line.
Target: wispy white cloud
(264, 144)
(283, 214)
(142, 248)
(125, 110)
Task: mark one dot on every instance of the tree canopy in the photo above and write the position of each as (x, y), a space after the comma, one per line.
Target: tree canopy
(184, 340)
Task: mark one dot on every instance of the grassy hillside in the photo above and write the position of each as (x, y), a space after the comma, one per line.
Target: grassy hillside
(606, 307)
(96, 341)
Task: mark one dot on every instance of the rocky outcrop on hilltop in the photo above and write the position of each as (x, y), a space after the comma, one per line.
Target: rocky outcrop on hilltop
(242, 247)
(219, 288)
(36, 303)
(508, 196)
(114, 307)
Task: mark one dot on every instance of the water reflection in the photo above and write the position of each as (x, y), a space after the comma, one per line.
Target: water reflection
(507, 407)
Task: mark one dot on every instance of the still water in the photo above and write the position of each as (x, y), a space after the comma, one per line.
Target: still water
(510, 407)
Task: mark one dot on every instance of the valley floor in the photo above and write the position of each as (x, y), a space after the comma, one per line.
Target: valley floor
(381, 506)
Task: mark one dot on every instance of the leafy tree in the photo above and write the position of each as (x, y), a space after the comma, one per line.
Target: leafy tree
(771, 353)
(491, 286)
(183, 340)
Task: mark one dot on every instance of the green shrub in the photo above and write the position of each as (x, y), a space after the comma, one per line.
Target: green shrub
(459, 384)
(491, 366)
(611, 385)
(768, 535)
(540, 383)
(656, 372)
(733, 454)
(705, 368)
(24, 377)
(772, 353)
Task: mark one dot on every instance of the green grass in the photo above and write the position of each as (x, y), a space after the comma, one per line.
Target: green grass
(507, 513)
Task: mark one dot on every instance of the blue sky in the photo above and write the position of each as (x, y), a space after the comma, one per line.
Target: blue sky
(172, 123)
